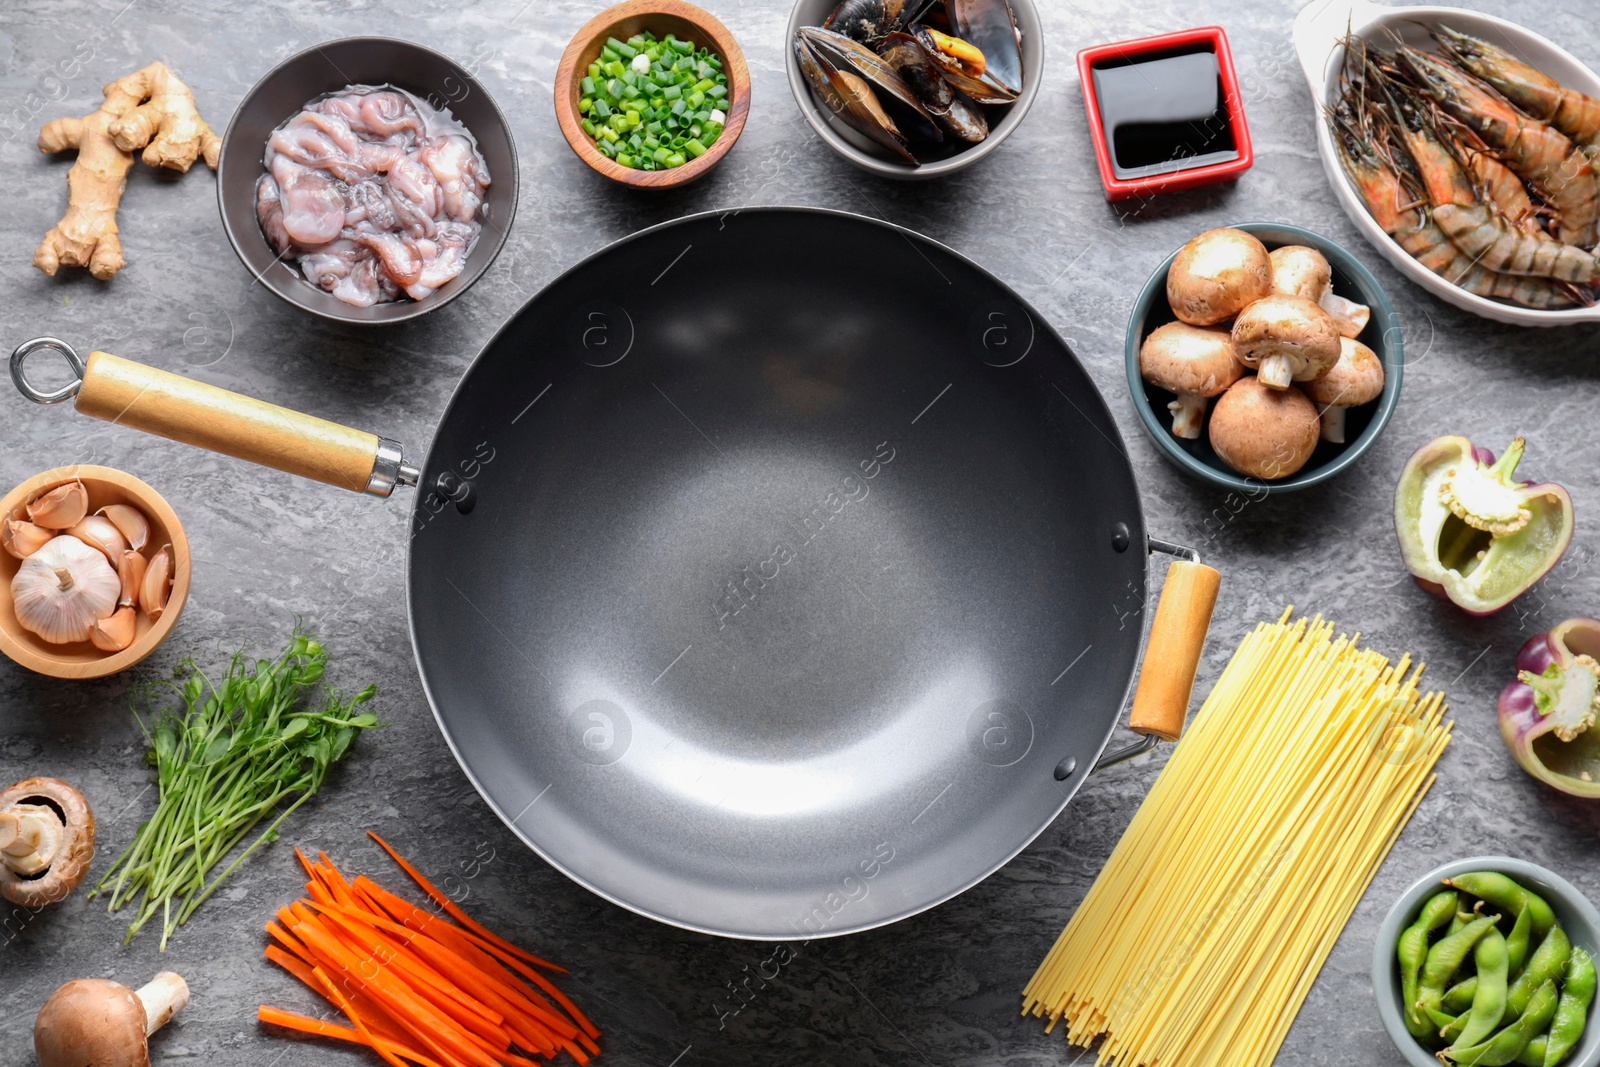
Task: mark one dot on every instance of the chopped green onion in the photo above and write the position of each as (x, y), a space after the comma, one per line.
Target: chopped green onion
(652, 103)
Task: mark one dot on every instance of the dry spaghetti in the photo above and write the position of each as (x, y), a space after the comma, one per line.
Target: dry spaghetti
(1199, 940)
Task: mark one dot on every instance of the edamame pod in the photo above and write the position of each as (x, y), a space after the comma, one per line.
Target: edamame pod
(1412, 950)
(1458, 998)
(1533, 1054)
(1449, 1025)
(1446, 957)
(1517, 944)
(1506, 895)
(1548, 964)
(1507, 1045)
(1577, 993)
(1489, 999)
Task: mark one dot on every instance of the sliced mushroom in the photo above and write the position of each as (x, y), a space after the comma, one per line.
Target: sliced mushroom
(1194, 363)
(1301, 271)
(1261, 432)
(46, 841)
(1355, 380)
(1286, 339)
(1216, 275)
(92, 1022)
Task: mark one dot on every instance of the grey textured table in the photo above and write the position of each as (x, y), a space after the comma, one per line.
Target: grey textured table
(938, 989)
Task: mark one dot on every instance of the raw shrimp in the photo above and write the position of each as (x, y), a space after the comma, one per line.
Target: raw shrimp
(1539, 153)
(1397, 207)
(1504, 189)
(1571, 112)
(373, 193)
(1477, 227)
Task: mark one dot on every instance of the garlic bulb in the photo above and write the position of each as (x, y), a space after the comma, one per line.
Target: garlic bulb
(130, 521)
(97, 531)
(22, 538)
(60, 508)
(63, 589)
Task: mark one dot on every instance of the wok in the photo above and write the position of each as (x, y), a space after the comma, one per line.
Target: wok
(827, 568)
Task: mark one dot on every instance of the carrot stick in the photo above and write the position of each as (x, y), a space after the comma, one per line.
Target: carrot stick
(529, 1022)
(434, 1030)
(450, 906)
(451, 1002)
(378, 1021)
(405, 953)
(306, 1025)
(455, 940)
(349, 1010)
(296, 967)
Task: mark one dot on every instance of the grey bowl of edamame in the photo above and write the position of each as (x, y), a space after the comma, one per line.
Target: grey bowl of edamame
(1573, 911)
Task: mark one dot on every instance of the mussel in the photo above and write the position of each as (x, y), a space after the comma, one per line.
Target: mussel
(848, 96)
(991, 27)
(927, 64)
(954, 112)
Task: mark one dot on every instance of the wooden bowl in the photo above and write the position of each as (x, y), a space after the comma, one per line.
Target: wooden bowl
(660, 17)
(82, 659)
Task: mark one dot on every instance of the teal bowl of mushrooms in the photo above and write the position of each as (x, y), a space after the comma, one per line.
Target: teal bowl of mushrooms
(1263, 358)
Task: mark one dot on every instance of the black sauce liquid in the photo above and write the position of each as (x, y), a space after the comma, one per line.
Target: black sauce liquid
(1164, 113)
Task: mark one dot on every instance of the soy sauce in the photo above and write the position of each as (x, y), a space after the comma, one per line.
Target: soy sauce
(1164, 112)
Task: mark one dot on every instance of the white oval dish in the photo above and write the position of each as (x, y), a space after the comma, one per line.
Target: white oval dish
(1317, 33)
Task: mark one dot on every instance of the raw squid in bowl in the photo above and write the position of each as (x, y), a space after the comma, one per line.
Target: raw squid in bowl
(373, 194)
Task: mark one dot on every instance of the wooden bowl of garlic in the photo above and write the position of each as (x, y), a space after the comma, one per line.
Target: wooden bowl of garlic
(93, 574)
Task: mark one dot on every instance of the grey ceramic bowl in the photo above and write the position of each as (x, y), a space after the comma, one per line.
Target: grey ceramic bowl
(325, 68)
(1363, 424)
(1573, 911)
(862, 152)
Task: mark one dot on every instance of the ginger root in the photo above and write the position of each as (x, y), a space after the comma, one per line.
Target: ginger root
(149, 109)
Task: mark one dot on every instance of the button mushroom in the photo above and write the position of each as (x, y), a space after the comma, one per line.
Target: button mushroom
(1301, 271)
(95, 1023)
(1355, 380)
(1261, 432)
(46, 841)
(1286, 339)
(1193, 363)
(1216, 275)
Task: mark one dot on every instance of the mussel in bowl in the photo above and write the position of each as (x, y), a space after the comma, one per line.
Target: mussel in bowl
(921, 79)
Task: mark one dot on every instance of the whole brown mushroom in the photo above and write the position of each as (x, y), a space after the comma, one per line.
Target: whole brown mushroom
(1286, 339)
(1261, 432)
(1194, 363)
(46, 841)
(92, 1022)
(1301, 271)
(1216, 275)
(1355, 380)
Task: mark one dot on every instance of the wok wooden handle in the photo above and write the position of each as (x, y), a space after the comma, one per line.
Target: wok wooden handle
(194, 413)
(1172, 655)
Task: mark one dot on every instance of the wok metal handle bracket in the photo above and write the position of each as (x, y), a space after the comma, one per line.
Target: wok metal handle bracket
(1171, 656)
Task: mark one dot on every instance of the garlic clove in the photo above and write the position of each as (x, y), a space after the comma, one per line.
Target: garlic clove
(131, 568)
(63, 589)
(130, 522)
(22, 538)
(60, 508)
(97, 531)
(157, 583)
(115, 633)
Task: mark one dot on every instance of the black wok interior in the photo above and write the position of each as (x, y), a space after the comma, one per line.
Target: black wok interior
(763, 546)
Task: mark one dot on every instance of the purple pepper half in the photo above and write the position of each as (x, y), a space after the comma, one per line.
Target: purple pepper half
(1469, 531)
(1547, 716)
